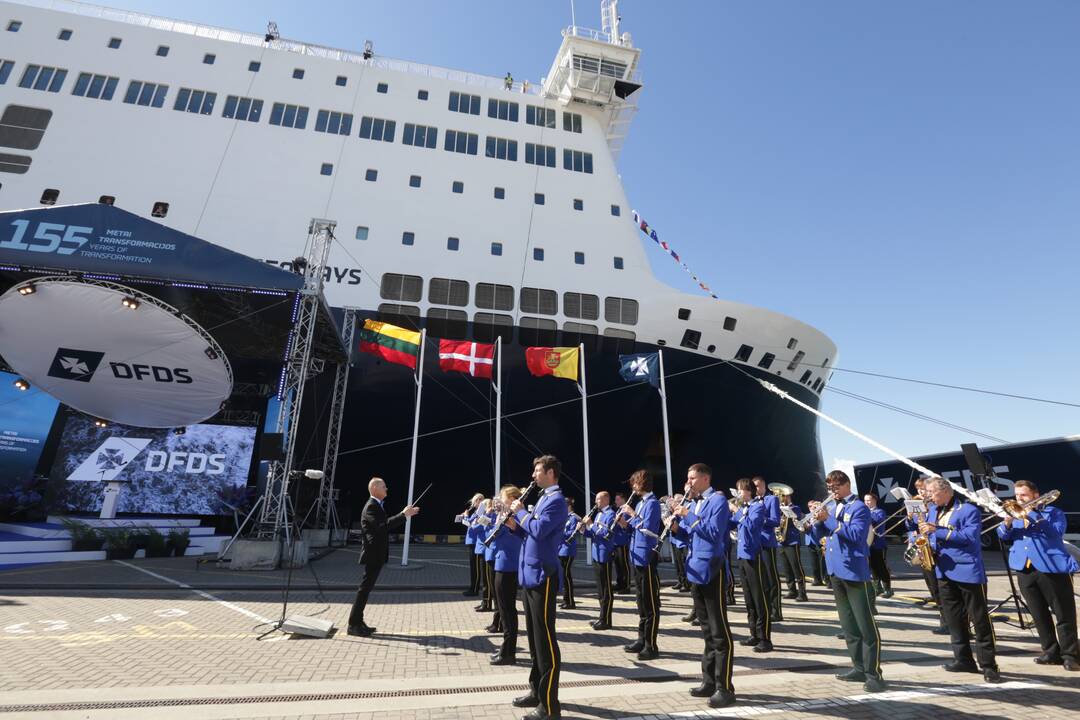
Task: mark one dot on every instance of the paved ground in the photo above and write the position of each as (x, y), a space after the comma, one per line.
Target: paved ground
(163, 639)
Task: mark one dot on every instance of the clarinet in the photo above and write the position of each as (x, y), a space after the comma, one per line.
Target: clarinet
(591, 515)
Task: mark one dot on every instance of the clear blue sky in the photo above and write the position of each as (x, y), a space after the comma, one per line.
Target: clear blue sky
(904, 176)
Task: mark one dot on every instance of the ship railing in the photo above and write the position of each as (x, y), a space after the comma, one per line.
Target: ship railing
(318, 51)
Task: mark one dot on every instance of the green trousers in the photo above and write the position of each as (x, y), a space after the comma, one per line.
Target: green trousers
(854, 604)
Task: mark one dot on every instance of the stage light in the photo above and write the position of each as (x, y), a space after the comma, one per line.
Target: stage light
(211, 353)
(179, 431)
(27, 289)
(272, 31)
(98, 422)
(21, 384)
(369, 49)
(299, 265)
(130, 303)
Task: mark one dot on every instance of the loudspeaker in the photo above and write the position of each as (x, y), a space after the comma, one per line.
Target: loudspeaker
(271, 447)
(975, 460)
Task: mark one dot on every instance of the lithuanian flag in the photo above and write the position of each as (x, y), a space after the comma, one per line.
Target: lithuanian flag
(390, 342)
(558, 361)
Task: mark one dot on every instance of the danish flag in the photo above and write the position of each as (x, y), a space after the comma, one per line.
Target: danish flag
(476, 359)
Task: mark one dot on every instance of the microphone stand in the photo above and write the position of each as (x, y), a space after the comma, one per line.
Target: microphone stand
(985, 477)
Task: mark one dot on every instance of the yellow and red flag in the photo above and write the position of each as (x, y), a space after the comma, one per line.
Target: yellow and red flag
(561, 362)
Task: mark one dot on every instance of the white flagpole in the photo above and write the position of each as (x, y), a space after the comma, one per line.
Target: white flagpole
(498, 415)
(667, 442)
(419, 379)
(585, 436)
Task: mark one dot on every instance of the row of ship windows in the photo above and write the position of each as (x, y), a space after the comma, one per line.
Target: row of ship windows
(201, 102)
(458, 102)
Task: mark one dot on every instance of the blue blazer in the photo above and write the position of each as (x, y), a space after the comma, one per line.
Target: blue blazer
(568, 546)
(646, 521)
(470, 537)
(792, 535)
(602, 534)
(507, 550)
(847, 554)
(542, 530)
(877, 518)
(620, 536)
(957, 544)
(1039, 541)
(750, 518)
(482, 531)
(705, 530)
(771, 504)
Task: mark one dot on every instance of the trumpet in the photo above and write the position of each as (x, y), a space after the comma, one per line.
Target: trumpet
(813, 507)
(1018, 511)
(672, 517)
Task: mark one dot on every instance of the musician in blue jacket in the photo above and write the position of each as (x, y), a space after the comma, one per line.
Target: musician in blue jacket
(481, 521)
(489, 562)
(568, 553)
(678, 556)
(538, 575)
(600, 529)
(955, 531)
(911, 528)
(621, 549)
(470, 540)
(1044, 567)
(879, 549)
(645, 523)
(703, 525)
(790, 555)
(750, 518)
(770, 574)
(507, 554)
(845, 527)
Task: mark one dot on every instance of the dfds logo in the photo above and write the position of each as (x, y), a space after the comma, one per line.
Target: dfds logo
(80, 365)
(188, 462)
(135, 371)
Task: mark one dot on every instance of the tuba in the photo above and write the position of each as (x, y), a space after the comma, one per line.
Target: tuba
(780, 490)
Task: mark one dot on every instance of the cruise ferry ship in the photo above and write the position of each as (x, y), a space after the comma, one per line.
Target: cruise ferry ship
(474, 206)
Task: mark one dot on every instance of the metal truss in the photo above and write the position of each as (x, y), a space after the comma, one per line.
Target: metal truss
(325, 502)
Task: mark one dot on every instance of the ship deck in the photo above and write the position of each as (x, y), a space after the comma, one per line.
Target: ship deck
(166, 638)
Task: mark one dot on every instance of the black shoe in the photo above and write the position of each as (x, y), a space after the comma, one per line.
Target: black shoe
(841, 636)
(887, 593)
(960, 666)
(801, 597)
(875, 684)
(817, 583)
(493, 628)
(500, 659)
(721, 698)
(776, 620)
(648, 654)
(749, 642)
(601, 626)
(852, 675)
(695, 623)
(483, 608)
(685, 589)
(790, 595)
(634, 647)
(360, 630)
(526, 701)
(571, 606)
(690, 618)
(941, 630)
(1071, 665)
(763, 647)
(991, 675)
(541, 714)
(702, 690)
(1048, 660)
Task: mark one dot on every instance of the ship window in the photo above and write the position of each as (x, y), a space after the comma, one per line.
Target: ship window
(242, 108)
(293, 116)
(403, 288)
(459, 141)
(298, 73)
(16, 164)
(5, 70)
(684, 313)
(14, 25)
(421, 94)
(49, 197)
(581, 306)
(616, 210)
(22, 127)
(107, 200)
(408, 238)
(619, 340)
(621, 310)
(494, 297)
(537, 331)
(382, 88)
(579, 257)
(146, 94)
(197, 101)
(447, 323)
(691, 339)
(327, 169)
(618, 262)
(209, 58)
(488, 326)
(163, 51)
(805, 376)
(538, 254)
(98, 87)
(453, 243)
(538, 198)
(501, 148)
(743, 355)
(575, 333)
(414, 181)
(541, 116)
(503, 110)
(458, 187)
(577, 161)
(444, 291)
(361, 232)
(341, 81)
(711, 348)
(766, 361)
(374, 128)
(540, 155)
(500, 193)
(571, 122)
(114, 43)
(817, 385)
(254, 66)
(64, 35)
(729, 324)
(540, 301)
(371, 175)
(406, 316)
(37, 77)
(792, 343)
(420, 135)
(796, 361)
(463, 103)
(335, 123)
(579, 204)
(161, 209)
(496, 248)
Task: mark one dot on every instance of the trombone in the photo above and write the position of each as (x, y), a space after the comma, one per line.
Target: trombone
(1018, 511)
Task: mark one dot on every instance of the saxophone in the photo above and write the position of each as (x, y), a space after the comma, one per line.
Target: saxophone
(918, 553)
(781, 530)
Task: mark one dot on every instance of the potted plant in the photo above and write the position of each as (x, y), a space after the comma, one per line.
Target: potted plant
(119, 543)
(83, 536)
(156, 545)
(179, 539)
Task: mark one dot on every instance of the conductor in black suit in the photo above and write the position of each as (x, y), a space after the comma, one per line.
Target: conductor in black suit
(374, 525)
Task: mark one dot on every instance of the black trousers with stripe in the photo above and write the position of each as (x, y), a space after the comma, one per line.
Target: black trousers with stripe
(474, 571)
(568, 580)
(854, 604)
(648, 603)
(961, 602)
(678, 556)
(489, 573)
(506, 587)
(604, 590)
(756, 601)
(879, 567)
(1044, 592)
(770, 581)
(794, 575)
(710, 608)
(817, 563)
(622, 567)
(539, 605)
